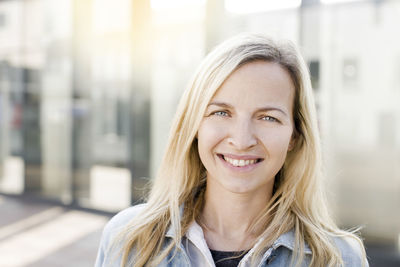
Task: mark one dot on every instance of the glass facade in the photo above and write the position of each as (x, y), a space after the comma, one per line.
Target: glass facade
(74, 118)
(88, 89)
(80, 89)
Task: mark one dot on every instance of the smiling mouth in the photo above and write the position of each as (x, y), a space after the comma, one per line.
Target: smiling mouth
(240, 162)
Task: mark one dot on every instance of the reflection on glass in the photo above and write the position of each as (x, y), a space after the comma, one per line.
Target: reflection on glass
(77, 104)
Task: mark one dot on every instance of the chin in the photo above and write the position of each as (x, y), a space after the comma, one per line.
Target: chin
(241, 188)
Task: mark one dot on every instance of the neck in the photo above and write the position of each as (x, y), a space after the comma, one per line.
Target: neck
(227, 218)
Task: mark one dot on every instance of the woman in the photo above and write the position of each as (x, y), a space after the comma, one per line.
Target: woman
(240, 182)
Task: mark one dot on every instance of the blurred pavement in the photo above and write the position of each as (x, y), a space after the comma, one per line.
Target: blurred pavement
(40, 234)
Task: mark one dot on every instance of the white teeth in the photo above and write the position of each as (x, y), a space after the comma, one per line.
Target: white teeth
(241, 162)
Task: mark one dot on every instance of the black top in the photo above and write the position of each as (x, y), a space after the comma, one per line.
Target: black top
(227, 258)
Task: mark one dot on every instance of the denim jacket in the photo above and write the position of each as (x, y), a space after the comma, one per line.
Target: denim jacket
(193, 250)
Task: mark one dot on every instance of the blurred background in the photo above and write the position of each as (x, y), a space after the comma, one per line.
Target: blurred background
(88, 89)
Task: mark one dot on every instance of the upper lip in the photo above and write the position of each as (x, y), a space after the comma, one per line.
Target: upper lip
(239, 157)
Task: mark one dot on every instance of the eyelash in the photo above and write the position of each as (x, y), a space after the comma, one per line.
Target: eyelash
(220, 113)
(225, 114)
(269, 118)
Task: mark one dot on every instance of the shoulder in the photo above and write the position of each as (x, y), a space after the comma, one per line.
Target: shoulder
(122, 218)
(114, 226)
(351, 249)
(117, 223)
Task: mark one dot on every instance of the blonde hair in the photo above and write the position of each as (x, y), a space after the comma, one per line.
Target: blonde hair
(298, 201)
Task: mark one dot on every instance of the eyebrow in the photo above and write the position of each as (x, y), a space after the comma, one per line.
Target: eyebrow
(267, 108)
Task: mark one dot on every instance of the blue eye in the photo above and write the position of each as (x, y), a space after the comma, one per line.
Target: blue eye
(269, 118)
(220, 113)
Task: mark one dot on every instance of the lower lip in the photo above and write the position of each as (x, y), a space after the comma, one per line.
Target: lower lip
(246, 168)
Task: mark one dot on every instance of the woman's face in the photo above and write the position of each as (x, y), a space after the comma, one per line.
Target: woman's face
(247, 129)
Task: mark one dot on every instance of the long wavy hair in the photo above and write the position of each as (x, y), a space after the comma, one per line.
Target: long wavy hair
(298, 200)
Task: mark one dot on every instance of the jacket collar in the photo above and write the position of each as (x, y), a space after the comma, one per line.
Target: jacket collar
(286, 240)
(171, 231)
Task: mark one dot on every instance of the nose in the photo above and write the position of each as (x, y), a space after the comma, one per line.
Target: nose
(241, 135)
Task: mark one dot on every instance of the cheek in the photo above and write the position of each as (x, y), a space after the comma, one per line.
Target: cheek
(278, 140)
(209, 135)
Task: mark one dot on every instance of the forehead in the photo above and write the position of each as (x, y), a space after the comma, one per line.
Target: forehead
(258, 83)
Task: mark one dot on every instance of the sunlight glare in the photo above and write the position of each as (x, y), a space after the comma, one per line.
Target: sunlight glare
(162, 4)
(328, 2)
(111, 16)
(253, 6)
